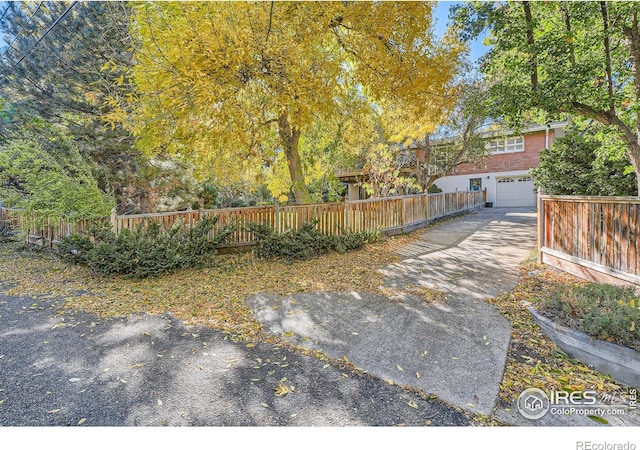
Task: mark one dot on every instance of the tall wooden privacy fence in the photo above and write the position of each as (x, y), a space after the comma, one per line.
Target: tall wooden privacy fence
(387, 215)
(593, 237)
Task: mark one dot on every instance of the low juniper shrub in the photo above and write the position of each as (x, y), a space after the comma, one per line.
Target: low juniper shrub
(7, 234)
(304, 243)
(147, 251)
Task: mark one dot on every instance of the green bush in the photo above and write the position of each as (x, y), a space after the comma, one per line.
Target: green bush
(6, 232)
(353, 240)
(307, 242)
(605, 312)
(148, 251)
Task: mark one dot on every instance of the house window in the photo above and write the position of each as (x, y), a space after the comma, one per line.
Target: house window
(505, 145)
(475, 184)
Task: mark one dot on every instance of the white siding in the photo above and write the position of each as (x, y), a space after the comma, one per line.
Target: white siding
(522, 194)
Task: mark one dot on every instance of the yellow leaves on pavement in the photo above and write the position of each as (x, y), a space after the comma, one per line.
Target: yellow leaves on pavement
(283, 390)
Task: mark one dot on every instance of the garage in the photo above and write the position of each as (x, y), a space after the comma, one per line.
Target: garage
(514, 191)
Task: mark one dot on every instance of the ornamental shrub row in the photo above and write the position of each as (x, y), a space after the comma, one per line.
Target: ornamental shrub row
(145, 252)
(150, 251)
(306, 242)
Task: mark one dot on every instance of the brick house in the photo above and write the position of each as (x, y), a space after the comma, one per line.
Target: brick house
(505, 171)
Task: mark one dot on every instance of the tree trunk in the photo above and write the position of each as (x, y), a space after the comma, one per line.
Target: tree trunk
(633, 42)
(290, 138)
(530, 44)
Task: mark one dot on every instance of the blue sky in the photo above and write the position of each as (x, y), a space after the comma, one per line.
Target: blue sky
(441, 13)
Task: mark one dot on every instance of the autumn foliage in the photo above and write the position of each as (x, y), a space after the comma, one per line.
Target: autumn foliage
(237, 85)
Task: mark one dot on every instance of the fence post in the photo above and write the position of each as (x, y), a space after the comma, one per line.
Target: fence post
(347, 215)
(457, 201)
(426, 206)
(541, 224)
(114, 220)
(276, 218)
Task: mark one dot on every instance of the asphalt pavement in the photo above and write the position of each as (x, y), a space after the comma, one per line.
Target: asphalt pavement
(60, 368)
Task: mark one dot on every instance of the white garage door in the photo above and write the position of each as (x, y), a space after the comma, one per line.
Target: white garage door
(515, 191)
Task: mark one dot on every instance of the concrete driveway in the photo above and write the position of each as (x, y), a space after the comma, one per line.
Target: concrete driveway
(454, 347)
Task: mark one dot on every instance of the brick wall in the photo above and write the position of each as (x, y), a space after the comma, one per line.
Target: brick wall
(529, 158)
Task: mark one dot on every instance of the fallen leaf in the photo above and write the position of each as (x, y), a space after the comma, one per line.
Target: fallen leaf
(418, 375)
(399, 368)
(599, 419)
(282, 390)
(73, 380)
(159, 402)
(53, 411)
(250, 345)
(135, 366)
(81, 421)
(412, 404)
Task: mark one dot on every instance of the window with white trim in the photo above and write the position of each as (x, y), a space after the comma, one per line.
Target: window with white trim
(505, 145)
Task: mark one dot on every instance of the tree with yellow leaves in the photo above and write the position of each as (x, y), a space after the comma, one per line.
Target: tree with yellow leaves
(235, 84)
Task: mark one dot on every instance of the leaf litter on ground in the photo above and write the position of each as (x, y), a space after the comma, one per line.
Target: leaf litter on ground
(533, 359)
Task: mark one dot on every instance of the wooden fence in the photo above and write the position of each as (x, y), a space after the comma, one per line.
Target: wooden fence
(387, 215)
(596, 238)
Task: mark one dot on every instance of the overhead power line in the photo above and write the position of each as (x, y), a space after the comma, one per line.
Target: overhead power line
(6, 10)
(51, 27)
(22, 29)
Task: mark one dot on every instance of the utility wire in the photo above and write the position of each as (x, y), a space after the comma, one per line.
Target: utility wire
(51, 27)
(22, 29)
(5, 12)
